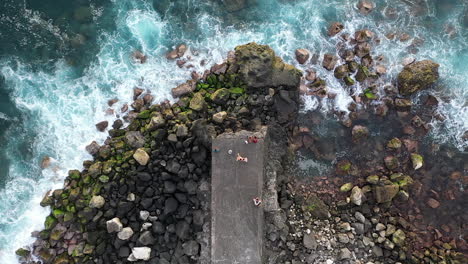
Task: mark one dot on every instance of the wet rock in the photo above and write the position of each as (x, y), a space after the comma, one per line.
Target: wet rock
(385, 193)
(363, 35)
(176, 53)
(309, 241)
(380, 69)
(356, 195)
(417, 76)
(125, 234)
(141, 156)
(335, 28)
(348, 80)
(433, 203)
(341, 71)
(407, 61)
(45, 163)
(97, 201)
(114, 225)
(417, 161)
(101, 126)
(362, 49)
(329, 61)
(139, 56)
(359, 132)
(183, 89)
(140, 253)
(93, 148)
(148, 99)
(403, 104)
(365, 6)
(311, 75)
(302, 55)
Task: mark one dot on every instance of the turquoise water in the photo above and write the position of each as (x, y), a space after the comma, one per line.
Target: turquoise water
(60, 63)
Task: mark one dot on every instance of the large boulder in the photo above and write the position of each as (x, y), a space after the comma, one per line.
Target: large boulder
(183, 89)
(417, 76)
(260, 67)
(385, 193)
(198, 102)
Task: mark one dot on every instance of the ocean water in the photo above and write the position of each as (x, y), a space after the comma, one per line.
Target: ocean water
(61, 62)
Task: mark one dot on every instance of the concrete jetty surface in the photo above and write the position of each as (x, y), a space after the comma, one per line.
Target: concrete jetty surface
(237, 224)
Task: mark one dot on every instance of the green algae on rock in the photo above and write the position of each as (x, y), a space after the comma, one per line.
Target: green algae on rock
(417, 76)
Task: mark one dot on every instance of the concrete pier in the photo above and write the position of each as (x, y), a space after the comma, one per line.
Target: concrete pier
(237, 224)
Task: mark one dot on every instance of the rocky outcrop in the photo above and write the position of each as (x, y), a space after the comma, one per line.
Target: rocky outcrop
(259, 67)
(417, 76)
(145, 195)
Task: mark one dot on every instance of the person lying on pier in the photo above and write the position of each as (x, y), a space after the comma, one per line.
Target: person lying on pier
(253, 139)
(240, 158)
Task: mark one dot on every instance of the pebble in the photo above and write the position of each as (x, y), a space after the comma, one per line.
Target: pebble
(360, 217)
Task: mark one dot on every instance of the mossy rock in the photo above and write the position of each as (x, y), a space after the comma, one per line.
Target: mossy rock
(62, 259)
(372, 179)
(57, 213)
(349, 81)
(95, 169)
(45, 255)
(220, 96)
(23, 253)
(258, 66)
(417, 161)
(47, 201)
(362, 73)
(346, 187)
(316, 207)
(68, 216)
(237, 90)
(74, 174)
(417, 76)
(104, 178)
(399, 237)
(369, 94)
(394, 143)
(144, 114)
(50, 222)
(88, 249)
(341, 71)
(198, 102)
(353, 66)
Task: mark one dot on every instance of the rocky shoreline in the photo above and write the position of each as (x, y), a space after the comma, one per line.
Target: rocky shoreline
(145, 196)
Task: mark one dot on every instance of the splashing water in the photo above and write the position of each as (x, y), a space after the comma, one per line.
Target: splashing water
(58, 103)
